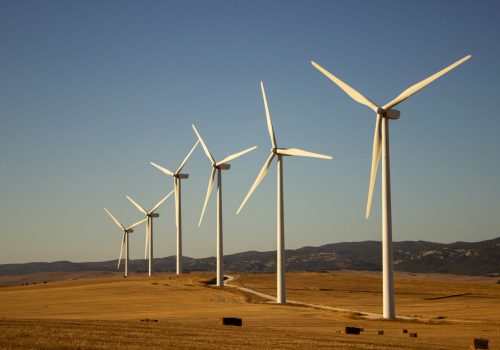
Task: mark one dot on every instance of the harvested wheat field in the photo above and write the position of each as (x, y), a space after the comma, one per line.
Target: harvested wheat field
(106, 311)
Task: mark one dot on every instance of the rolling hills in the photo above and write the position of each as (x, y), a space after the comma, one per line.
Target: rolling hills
(463, 258)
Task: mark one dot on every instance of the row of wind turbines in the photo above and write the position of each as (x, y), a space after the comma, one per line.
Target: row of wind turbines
(380, 150)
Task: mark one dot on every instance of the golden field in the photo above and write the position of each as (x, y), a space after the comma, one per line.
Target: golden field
(104, 311)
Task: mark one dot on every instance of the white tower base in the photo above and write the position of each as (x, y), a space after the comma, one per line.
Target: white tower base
(220, 254)
(389, 311)
(177, 184)
(280, 236)
(127, 250)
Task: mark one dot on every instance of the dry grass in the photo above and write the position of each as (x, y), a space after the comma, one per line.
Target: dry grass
(105, 312)
(419, 295)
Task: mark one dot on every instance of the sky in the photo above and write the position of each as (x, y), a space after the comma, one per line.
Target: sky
(92, 91)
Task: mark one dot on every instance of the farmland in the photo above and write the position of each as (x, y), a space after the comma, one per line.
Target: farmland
(106, 311)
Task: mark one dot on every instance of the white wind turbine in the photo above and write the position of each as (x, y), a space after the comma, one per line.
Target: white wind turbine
(149, 227)
(126, 231)
(218, 167)
(280, 232)
(381, 145)
(178, 215)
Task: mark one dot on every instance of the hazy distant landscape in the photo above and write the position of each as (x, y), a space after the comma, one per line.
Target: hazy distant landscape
(463, 258)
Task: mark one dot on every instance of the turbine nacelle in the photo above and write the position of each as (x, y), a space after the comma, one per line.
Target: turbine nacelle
(277, 151)
(182, 176)
(389, 114)
(129, 230)
(287, 152)
(224, 166)
(153, 215)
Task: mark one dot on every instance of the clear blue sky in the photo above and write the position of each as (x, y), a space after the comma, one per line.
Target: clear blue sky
(92, 91)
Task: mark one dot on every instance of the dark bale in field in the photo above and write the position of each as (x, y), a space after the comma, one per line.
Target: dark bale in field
(405, 331)
(413, 335)
(352, 330)
(232, 321)
(380, 332)
(479, 343)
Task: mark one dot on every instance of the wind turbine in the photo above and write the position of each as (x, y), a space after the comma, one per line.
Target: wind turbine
(381, 142)
(280, 232)
(178, 215)
(149, 227)
(218, 167)
(126, 231)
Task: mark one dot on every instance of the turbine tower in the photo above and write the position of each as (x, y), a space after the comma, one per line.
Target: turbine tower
(178, 215)
(280, 232)
(149, 227)
(218, 167)
(381, 145)
(126, 231)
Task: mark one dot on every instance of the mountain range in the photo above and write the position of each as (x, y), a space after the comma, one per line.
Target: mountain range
(463, 258)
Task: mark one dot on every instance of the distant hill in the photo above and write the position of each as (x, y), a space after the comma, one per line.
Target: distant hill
(463, 258)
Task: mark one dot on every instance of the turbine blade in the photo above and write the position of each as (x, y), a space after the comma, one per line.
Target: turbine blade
(258, 180)
(205, 148)
(209, 192)
(268, 117)
(415, 88)
(114, 219)
(300, 153)
(162, 169)
(353, 93)
(161, 202)
(187, 157)
(121, 250)
(377, 140)
(234, 156)
(141, 209)
(136, 224)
